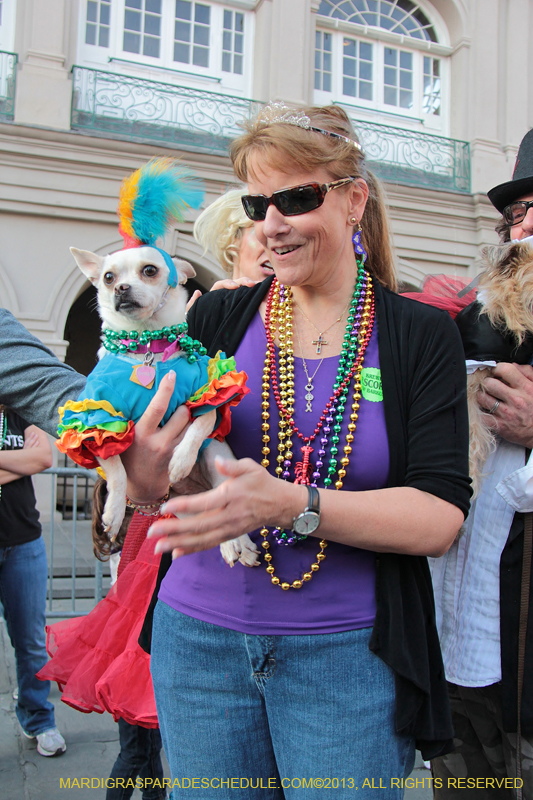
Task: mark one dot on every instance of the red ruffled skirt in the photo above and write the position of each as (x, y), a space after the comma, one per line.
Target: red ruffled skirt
(96, 660)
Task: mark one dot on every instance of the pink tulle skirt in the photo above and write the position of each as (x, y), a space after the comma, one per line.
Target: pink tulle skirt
(96, 660)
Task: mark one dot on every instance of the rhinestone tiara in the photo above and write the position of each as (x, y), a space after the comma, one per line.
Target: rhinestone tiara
(278, 112)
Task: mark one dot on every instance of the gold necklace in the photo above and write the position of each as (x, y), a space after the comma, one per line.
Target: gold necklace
(320, 343)
(309, 396)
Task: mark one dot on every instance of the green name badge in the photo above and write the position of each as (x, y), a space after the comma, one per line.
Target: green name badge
(371, 384)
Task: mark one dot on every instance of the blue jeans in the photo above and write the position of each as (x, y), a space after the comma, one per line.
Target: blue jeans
(140, 755)
(271, 712)
(23, 576)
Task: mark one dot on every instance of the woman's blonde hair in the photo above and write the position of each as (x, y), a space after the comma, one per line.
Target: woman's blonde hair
(286, 147)
(219, 228)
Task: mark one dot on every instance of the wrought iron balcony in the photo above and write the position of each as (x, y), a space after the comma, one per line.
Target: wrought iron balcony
(415, 159)
(107, 103)
(8, 76)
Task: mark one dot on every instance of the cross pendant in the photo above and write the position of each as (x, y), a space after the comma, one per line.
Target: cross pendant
(319, 342)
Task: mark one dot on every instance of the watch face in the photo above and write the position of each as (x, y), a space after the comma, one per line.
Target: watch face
(307, 522)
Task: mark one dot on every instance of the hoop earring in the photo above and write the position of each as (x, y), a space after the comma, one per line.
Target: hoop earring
(357, 243)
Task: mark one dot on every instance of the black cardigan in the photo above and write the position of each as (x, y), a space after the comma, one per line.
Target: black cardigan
(424, 395)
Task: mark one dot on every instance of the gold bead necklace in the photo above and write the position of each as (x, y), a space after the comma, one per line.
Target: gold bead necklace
(279, 320)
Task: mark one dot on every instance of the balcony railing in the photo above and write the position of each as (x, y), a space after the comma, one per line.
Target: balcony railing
(108, 103)
(415, 159)
(8, 76)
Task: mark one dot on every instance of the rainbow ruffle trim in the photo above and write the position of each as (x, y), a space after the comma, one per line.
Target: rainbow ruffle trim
(82, 439)
(225, 388)
(90, 428)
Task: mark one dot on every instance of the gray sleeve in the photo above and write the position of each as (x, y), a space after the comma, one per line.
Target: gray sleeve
(33, 381)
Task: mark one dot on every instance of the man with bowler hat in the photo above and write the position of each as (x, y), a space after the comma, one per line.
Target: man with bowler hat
(478, 583)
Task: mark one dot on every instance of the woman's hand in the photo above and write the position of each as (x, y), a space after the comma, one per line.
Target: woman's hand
(192, 299)
(146, 461)
(232, 283)
(242, 503)
(31, 438)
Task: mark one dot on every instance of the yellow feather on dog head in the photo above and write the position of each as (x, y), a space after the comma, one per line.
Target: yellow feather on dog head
(126, 202)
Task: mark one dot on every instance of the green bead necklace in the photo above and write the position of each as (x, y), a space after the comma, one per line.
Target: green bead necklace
(124, 342)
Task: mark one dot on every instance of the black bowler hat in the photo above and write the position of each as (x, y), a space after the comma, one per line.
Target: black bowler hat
(522, 180)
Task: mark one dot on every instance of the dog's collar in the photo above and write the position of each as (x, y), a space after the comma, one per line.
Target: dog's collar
(168, 340)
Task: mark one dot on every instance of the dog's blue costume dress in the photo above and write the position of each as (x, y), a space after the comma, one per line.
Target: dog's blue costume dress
(101, 421)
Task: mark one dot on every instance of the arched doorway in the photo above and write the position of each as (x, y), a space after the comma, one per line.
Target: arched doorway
(82, 332)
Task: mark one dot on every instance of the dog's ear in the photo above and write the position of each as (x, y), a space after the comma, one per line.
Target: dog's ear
(185, 270)
(89, 263)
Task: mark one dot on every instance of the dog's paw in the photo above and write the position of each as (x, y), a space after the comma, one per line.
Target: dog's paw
(111, 526)
(241, 549)
(180, 465)
(112, 517)
(249, 552)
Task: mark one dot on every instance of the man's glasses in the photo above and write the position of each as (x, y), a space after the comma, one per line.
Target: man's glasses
(516, 212)
(290, 202)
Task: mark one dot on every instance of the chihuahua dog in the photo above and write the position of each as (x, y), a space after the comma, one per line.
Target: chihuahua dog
(135, 294)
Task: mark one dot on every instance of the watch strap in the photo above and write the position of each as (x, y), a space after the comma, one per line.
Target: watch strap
(313, 499)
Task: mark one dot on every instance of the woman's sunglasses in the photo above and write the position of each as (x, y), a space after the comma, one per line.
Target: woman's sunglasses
(290, 202)
(516, 212)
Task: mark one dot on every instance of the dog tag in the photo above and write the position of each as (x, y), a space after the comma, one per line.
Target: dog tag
(143, 375)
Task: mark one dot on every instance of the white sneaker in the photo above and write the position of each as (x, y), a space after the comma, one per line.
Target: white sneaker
(49, 743)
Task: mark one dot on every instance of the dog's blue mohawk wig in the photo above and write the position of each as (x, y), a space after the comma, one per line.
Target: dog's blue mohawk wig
(152, 199)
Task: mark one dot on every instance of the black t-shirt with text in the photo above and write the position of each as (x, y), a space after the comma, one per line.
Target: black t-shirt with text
(19, 518)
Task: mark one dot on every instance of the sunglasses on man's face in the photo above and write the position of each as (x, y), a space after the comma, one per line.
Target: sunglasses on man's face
(516, 212)
(290, 202)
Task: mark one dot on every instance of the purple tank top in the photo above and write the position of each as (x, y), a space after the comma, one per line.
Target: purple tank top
(341, 596)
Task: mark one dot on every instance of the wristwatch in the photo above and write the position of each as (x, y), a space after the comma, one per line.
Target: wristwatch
(309, 520)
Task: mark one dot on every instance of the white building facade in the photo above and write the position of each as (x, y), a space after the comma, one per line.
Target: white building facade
(91, 89)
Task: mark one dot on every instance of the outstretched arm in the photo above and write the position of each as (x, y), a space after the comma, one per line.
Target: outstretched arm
(33, 381)
(395, 520)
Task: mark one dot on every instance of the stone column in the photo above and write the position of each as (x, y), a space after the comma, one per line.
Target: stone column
(284, 55)
(43, 93)
(499, 110)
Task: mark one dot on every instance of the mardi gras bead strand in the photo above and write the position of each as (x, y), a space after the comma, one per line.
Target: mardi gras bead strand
(3, 434)
(122, 341)
(344, 373)
(366, 319)
(351, 338)
(334, 410)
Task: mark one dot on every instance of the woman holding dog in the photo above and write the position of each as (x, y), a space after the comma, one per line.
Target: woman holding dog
(323, 662)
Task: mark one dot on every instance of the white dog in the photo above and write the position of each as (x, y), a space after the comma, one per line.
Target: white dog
(134, 295)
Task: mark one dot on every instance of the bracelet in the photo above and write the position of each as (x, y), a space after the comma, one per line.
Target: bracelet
(141, 508)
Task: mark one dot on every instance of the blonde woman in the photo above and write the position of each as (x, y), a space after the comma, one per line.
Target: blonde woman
(224, 230)
(322, 663)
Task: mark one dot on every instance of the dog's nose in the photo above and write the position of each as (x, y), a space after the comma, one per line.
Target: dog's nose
(122, 288)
